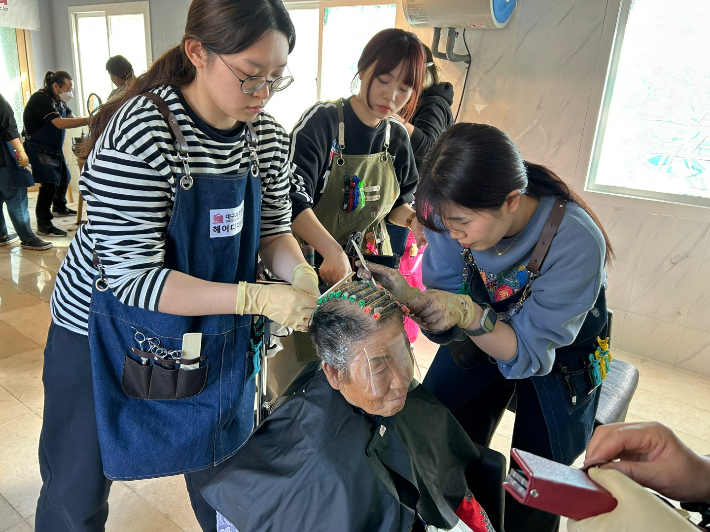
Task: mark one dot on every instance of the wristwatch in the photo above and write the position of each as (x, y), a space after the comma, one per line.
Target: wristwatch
(488, 322)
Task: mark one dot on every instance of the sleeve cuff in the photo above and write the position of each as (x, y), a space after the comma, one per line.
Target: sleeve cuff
(417, 139)
(455, 334)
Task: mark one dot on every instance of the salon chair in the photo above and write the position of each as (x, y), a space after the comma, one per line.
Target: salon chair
(617, 390)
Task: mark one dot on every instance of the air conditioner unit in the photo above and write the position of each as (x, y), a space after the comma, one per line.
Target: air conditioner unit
(480, 14)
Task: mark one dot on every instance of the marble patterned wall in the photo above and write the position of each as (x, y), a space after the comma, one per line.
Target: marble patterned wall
(535, 79)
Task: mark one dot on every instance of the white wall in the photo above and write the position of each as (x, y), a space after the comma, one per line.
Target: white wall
(51, 46)
(541, 79)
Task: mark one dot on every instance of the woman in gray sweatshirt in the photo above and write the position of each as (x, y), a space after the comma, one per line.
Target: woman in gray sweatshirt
(515, 296)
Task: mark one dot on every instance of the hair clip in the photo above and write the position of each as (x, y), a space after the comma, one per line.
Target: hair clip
(386, 310)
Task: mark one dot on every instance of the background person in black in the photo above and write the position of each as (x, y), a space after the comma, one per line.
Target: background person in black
(46, 117)
(14, 179)
(432, 117)
(121, 72)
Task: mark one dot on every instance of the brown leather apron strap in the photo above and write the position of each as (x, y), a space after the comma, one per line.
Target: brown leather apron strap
(548, 233)
(178, 137)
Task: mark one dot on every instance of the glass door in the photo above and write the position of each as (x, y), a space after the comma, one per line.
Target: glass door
(102, 31)
(11, 75)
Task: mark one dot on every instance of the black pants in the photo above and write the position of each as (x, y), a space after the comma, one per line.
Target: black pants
(74, 494)
(50, 195)
(480, 416)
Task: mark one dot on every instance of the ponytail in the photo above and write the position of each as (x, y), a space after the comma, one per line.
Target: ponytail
(59, 77)
(476, 166)
(544, 182)
(222, 26)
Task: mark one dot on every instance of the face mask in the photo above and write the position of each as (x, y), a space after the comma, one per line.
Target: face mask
(66, 96)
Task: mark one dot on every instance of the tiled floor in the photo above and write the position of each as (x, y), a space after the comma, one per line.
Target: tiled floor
(678, 398)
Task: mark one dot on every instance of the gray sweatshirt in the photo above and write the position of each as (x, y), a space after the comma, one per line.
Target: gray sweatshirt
(569, 283)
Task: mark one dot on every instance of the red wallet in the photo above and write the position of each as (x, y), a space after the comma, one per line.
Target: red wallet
(556, 488)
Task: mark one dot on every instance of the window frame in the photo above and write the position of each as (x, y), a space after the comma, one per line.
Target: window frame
(598, 128)
(322, 5)
(104, 10)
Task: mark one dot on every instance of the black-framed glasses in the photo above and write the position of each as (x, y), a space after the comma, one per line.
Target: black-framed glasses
(252, 84)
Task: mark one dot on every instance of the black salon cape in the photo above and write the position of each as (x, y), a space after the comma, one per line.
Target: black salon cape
(318, 463)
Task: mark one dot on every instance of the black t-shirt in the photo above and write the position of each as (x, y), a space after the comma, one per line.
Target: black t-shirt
(42, 109)
(312, 140)
(8, 127)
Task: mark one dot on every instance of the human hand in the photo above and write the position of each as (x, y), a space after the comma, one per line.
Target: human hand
(637, 510)
(391, 280)
(305, 279)
(439, 310)
(652, 455)
(418, 232)
(282, 303)
(22, 159)
(334, 267)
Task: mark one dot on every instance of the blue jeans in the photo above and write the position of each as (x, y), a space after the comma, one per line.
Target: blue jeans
(16, 201)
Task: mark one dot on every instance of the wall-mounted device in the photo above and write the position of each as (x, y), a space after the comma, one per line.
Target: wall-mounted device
(480, 14)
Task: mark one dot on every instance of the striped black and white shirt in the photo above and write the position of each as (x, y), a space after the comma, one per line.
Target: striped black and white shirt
(128, 184)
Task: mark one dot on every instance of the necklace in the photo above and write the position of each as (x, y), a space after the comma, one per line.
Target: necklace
(509, 246)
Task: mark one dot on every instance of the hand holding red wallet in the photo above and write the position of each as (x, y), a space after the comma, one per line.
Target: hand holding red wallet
(638, 510)
(652, 455)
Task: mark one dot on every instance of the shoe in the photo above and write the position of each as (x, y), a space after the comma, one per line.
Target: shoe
(64, 212)
(8, 239)
(36, 244)
(50, 230)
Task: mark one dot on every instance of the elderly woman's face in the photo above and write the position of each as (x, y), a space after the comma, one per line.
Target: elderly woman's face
(380, 372)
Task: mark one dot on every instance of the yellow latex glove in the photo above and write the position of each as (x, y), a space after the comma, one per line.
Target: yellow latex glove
(281, 303)
(638, 510)
(305, 279)
(391, 280)
(439, 310)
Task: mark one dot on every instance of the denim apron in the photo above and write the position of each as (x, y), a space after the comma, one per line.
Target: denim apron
(44, 150)
(157, 419)
(568, 395)
(19, 177)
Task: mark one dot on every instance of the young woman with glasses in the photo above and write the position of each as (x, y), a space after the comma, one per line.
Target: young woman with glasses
(150, 360)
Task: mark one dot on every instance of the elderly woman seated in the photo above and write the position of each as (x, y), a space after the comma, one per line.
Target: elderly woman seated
(360, 447)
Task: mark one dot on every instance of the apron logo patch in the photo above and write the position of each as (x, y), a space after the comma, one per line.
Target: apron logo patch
(226, 222)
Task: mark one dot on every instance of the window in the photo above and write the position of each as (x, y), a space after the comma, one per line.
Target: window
(14, 78)
(102, 31)
(330, 36)
(653, 137)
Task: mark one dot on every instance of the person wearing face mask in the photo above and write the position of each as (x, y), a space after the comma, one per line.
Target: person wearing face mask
(46, 117)
(353, 165)
(151, 357)
(515, 296)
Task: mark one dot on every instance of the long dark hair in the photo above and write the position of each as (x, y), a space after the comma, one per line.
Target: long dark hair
(385, 51)
(59, 77)
(223, 27)
(476, 166)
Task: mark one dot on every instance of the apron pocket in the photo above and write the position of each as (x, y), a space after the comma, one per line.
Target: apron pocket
(580, 382)
(156, 382)
(50, 160)
(349, 219)
(136, 379)
(191, 382)
(163, 383)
